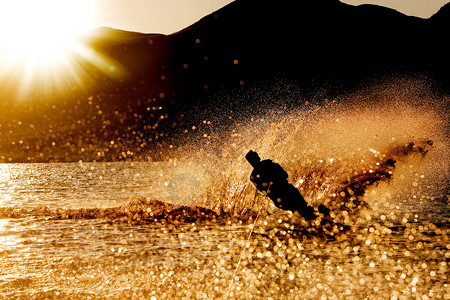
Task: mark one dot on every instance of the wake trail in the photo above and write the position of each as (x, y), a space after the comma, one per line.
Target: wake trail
(344, 193)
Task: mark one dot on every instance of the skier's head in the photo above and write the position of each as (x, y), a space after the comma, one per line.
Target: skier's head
(253, 158)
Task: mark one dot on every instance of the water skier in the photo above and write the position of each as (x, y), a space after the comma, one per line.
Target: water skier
(271, 180)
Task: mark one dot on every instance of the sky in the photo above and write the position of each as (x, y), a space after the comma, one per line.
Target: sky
(168, 16)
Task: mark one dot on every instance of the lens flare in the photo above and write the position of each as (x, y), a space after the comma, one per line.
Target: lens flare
(41, 45)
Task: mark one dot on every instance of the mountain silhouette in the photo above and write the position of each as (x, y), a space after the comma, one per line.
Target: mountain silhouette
(441, 17)
(248, 41)
(172, 81)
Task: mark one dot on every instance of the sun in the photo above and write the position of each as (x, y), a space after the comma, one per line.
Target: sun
(33, 29)
(40, 39)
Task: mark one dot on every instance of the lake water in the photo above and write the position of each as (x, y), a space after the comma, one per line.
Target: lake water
(46, 255)
(195, 228)
(81, 184)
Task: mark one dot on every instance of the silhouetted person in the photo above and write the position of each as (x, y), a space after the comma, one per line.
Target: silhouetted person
(271, 179)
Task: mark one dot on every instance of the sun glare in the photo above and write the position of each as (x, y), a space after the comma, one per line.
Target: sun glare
(40, 39)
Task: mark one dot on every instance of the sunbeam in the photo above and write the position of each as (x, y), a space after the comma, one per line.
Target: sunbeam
(41, 46)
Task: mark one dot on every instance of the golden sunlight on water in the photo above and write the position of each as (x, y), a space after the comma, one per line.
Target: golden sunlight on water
(228, 242)
(5, 181)
(6, 241)
(96, 259)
